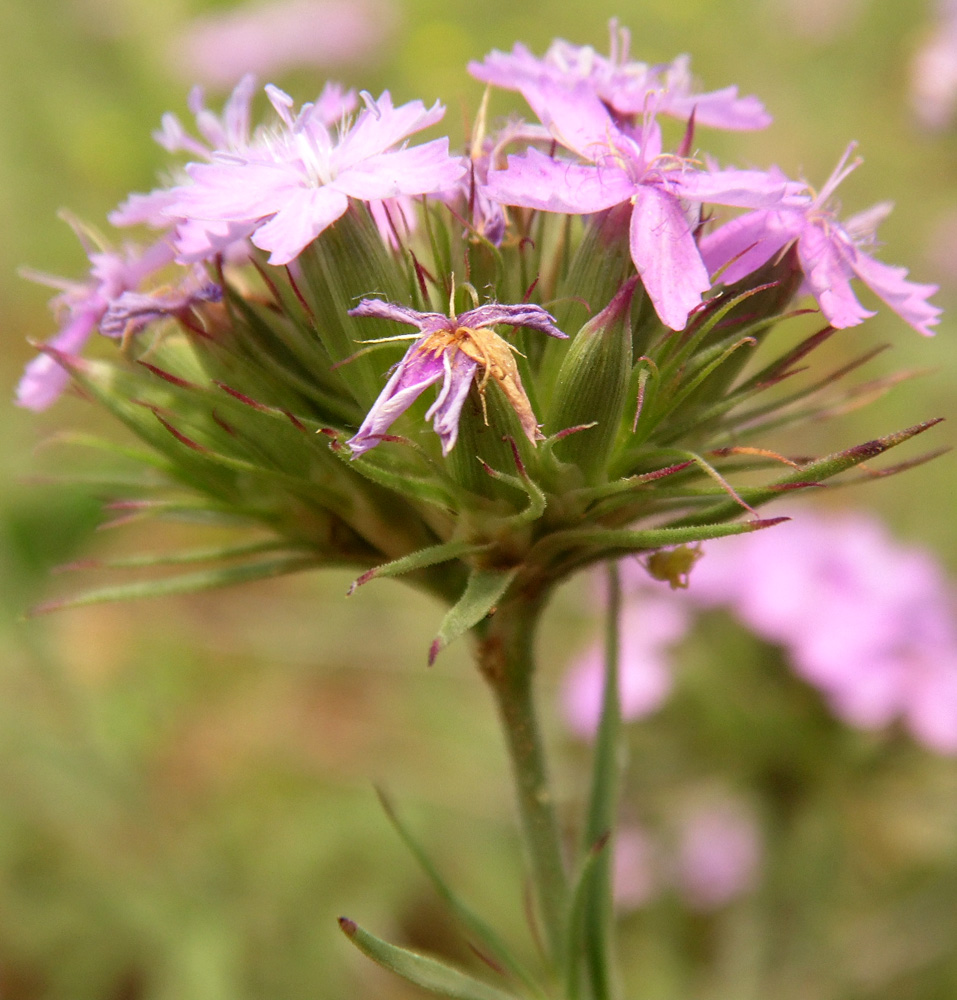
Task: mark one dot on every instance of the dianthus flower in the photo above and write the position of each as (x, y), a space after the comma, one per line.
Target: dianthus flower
(869, 623)
(451, 349)
(624, 85)
(82, 306)
(624, 167)
(830, 254)
(285, 190)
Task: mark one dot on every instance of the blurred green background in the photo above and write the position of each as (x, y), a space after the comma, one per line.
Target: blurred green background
(186, 796)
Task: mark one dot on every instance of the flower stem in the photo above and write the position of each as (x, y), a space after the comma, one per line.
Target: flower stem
(603, 807)
(505, 655)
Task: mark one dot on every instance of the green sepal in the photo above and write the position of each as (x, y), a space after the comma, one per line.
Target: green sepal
(431, 975)
(347, 262)
(600, 264)
(188, 583)
(83, 440)
(582, 546)
(439, 490)
(536, 497)
(495, 948)
(422, 559)
(270, 356)
(491, 443)
(482, 592)
(816, 471)
(592, 386)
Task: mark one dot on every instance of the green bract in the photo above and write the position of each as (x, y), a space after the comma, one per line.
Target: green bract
(652, 437)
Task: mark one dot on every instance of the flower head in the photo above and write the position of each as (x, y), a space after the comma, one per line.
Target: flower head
(452, 349)
(830, 254)
(621, 83)
(286, 189)
(622, 167)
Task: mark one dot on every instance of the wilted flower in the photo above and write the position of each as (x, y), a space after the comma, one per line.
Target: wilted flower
(452, 349)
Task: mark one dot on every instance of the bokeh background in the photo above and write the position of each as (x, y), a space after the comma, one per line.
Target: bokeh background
(186, 785)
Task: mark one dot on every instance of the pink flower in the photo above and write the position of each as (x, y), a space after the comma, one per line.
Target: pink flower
(269, 39)
(649, 627)
(624, 85)
(718, 855)
(284, 191)
(830, 254)
(80, 307)
(934, 73)
(620, 167)
(869, 623)
(451, 350)
(636, 875)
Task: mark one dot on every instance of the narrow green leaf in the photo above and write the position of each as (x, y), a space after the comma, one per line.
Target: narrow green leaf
(578, 917)
(186, 584)
(497, 949)
(817, 471)
(482, 592)
(418, 969)
(149, 560)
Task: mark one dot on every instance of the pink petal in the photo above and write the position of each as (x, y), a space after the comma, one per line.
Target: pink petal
(44, 380)
(301, 219)
(747, 243)
(234, 191)
(906, 298)
(414, 374)
(447, 407)
(416, 170)
(827, 275)
(665, 254)
(538, 181)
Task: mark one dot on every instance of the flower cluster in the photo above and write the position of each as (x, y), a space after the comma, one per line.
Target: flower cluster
(243, 326)
(866, 621)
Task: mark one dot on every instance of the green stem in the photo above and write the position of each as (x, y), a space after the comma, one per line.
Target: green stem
(603, 807)
(505, 655)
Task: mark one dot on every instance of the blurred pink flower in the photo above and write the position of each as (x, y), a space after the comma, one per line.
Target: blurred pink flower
(820, 20)
(710, 856)
(870, 623)
(268, 39)
(867, 621)
(649, 627)
(718, 856)
(636, 876)
(933, 84)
